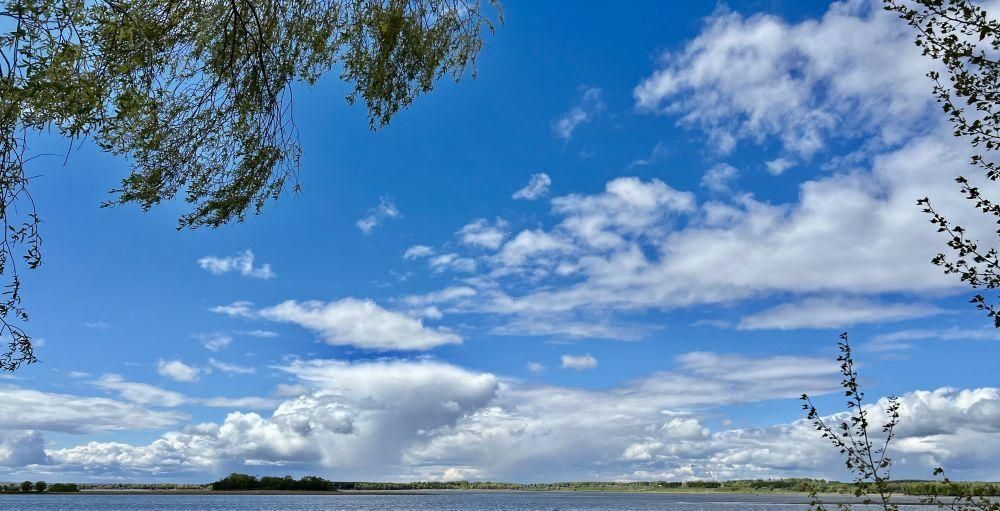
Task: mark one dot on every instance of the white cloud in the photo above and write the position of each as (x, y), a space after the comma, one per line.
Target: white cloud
(425, 419)
(360, 323)
(417, 252)
(177, 370)
(242, 263)
(243, 403)
(684, 429)
(903, 340)
(453, 262)
(778, 166)
(833, 312)
(231, 368)
(536, 367)
(944, 334)
(579, 362)
(24, 409)
(235, 309)
(217, 340)
(565, 326)
(719, 177)
(445, 295)
(376, 216)
(481, 233)
(290, 390)
(612, 252)
(636, 246)
(97, 325)
(659, 151)
(537, 187)
(627, 206)
(591, 103)
(150, 395)
(362, 417)
(266, 334)
(530, 244)
(140, 393)
(759, 77)
(20, 448)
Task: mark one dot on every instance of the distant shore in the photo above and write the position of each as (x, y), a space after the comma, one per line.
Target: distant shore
(235, 492)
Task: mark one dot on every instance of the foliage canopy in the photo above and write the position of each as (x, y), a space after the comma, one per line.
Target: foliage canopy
(197, 95)
(965, 39)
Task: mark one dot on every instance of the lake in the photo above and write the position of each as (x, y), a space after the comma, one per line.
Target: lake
(435, 501)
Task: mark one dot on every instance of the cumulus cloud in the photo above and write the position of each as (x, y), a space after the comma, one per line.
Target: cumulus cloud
(537, 187)
(579, 362)
(719, 178)
(452, 262)
(642, 245)
(482, 233)
(360, 323)
(419, 418)
(20, 448)
(385, 210)
(361, 417)
(591, 103)
(431, 420)
(637, 246)
(177, 370)
(241, 263)
(756, 79)
(759, 77)
(417, 252)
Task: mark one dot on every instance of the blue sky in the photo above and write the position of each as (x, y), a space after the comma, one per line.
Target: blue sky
(620, 253)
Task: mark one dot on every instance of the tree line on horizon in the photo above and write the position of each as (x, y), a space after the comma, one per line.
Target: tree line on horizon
(39, 487)
(246, 482)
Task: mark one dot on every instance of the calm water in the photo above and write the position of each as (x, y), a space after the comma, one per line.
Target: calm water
(453, 501)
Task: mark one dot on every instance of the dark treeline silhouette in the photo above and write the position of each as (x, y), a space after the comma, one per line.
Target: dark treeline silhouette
(244, 482)
(38, 487)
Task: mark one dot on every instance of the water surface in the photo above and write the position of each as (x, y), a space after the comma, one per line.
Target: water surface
(434, 501)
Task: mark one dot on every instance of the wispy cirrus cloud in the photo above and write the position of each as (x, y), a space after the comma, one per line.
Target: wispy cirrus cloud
(385, 210)
(231, 368)
(590, 105)
(834, 312)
